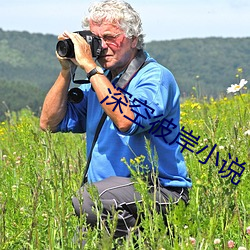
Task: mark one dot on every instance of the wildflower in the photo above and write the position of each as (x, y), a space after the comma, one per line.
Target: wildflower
(221, 147)
(216, 241)
(14, 188)
(237, 87)
(242, 248)
(192, 240)
(248, 230)
(137, 159)
(247, 133)
(198, 182)
(183, 113)
(45, 216)
(195, 105)
(132, 162)
(230, 244)
(240, 70)
(22, 210)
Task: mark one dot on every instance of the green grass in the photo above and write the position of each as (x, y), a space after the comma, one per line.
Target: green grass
(40, 172)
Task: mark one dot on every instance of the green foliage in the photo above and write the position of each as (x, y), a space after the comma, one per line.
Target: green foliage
(207, 64)
(28, 68)
(40, 172)
(28, 58)
(14, 95)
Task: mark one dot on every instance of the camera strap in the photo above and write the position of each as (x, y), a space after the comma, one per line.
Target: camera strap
(136, 64)
(97, 132)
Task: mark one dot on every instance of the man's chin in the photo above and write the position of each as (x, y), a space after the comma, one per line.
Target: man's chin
(105, 63)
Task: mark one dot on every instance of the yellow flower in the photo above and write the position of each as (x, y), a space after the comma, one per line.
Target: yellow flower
(183, 113)
(240, 70)
(195, 105)
(132, 162)
(138, 160)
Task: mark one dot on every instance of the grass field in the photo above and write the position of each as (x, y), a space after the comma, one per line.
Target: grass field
(40, 172)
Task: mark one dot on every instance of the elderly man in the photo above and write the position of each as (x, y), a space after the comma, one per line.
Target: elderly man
(140, 99)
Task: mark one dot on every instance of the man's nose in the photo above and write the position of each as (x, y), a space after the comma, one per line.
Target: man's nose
(104, 44)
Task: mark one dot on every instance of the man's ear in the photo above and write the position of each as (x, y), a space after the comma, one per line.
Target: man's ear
(134, 42)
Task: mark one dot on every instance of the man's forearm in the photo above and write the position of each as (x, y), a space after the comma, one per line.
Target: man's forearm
(55, 103)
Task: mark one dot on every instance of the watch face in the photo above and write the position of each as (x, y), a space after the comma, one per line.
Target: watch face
(99, 70)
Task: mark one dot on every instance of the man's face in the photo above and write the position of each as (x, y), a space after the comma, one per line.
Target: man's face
(118, 50)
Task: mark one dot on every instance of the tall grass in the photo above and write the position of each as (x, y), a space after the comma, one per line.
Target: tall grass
(40, 172)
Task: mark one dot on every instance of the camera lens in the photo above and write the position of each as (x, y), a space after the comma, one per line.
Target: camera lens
(65, 48)
(75, 95)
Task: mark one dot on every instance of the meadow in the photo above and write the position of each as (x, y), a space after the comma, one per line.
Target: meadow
(40, 172)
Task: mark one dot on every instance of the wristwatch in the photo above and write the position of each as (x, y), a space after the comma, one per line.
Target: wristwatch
(96, 70)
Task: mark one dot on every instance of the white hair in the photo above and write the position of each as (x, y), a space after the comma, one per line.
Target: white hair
(120, 13)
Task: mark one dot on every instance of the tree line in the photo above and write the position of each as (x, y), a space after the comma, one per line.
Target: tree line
(204, 67)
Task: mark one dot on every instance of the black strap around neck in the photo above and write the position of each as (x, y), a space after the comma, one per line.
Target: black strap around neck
(136, 64)
(97, 132)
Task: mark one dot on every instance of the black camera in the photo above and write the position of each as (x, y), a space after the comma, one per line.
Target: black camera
(65, 48)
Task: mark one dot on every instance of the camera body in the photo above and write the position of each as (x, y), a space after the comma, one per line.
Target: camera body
(65, 48)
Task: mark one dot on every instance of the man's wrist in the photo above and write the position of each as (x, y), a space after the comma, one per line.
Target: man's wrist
(65, 73)
(96, 70)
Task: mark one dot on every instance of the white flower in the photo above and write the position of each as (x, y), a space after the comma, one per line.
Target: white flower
(22, 210)
(237, 87)
(217, 241)
(242, 248)
(246, 133)
(192, 240)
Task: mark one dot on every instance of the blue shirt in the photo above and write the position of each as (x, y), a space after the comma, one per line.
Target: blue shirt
(156, 85)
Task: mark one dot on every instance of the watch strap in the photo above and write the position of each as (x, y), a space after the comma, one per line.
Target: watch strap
(93, 72)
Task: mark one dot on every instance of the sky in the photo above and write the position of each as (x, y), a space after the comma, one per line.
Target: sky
(162, 19)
